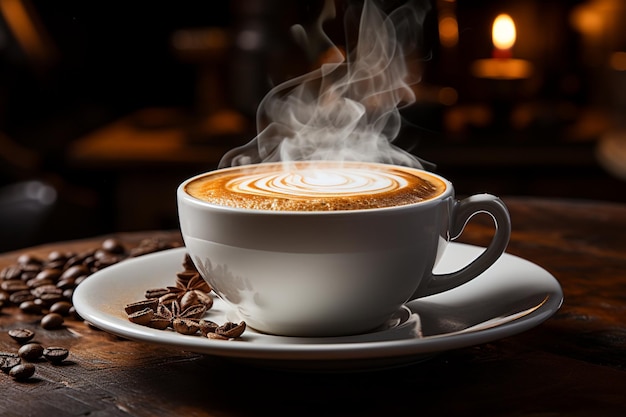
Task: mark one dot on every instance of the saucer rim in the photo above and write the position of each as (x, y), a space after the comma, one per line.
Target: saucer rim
(404, 350)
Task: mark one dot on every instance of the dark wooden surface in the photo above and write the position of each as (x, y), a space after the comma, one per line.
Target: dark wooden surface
(574, 364)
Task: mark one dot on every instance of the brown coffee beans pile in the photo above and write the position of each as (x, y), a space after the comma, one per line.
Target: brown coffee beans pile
(44, 287)
(181, 308)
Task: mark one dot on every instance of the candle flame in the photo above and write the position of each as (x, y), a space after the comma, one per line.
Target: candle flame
(503, 33)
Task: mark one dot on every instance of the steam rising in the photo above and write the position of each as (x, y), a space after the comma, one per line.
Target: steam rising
(348, 109)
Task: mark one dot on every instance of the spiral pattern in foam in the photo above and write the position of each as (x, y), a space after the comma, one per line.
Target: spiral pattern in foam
(312, 183)
(315, 186)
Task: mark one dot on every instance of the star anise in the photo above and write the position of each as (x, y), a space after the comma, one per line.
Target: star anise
(175, 311)
(191, 280)
(190, 289)
(185, 321)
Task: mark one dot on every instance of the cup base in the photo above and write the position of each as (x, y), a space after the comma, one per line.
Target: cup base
(397, 319)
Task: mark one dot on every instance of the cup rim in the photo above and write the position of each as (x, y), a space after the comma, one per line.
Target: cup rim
(183, 195)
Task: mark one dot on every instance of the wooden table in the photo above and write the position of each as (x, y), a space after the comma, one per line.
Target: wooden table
(574, 364)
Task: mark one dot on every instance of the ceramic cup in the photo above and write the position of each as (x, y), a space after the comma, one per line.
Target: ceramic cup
(328, 273)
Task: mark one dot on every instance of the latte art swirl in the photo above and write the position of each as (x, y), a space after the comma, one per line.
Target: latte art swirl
(313, 183)
(319, 186)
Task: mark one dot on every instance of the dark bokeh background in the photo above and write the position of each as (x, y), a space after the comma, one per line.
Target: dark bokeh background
(69, 69)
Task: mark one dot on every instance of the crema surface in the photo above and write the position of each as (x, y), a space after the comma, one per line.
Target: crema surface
(319, 186)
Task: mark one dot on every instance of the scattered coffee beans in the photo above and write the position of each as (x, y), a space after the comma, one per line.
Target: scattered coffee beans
(11, 363)
(44, 286)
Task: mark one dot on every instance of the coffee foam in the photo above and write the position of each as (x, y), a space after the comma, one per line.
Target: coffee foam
(312, 182)
(315, 187)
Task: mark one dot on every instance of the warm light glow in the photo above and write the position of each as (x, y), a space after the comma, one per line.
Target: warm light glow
(448, 96)
(617, 61)
(592, 18)
(448, 31)
(22, 26)
(502, 69)
(503, 33)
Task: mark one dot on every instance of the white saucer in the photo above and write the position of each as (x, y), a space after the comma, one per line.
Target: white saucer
(512, 296)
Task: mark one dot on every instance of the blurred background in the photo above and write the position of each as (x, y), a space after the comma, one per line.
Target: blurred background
(106, 106)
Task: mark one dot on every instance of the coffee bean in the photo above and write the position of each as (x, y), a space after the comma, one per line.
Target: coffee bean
(75, 271)
(80, 279)
(55, 354)
(231, 330)
(13, 285)
(19, 297)
(8, 360)
(140, 305)
(105, 261)
(58, 257)
(11, 272)
(159, 323)
(30, 271)
(216, 336)
(142, 317)
(156, 292)
(49, 274)
(27, 259)
(21, 335)
(188, 299)
(113, 246)
(22, 371)
(66, 283)
(139, 251)
(185, 326)
(35, 282)
(207, 326)
(28, 275)
(68, 293)
(30, 307)
(52, 321)
(89, 262)
(61, 307)
(49, 299)
(30, 351)
(58, 264)
(72, 261)
(168, 298)
(46, 289)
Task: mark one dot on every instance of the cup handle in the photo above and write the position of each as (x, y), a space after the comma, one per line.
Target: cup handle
(462, 212)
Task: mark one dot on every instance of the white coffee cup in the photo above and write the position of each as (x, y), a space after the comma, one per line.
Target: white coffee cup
(326, 273)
